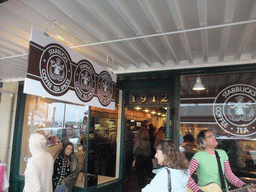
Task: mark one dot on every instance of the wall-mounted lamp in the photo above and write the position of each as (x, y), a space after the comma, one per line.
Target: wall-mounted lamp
(198, 86)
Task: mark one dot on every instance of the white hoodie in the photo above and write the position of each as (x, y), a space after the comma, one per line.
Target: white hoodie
(179, 181)
(39, 170)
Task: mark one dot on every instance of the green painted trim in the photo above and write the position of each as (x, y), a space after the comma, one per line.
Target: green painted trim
(123, 127)
(176, 117)
(168, 118)
(166, 74)
(16, 149)
(87, 147)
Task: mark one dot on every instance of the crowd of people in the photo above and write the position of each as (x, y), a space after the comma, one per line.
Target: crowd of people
(176, 168)
(174, 172)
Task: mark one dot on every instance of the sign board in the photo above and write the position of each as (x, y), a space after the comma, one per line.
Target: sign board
(234, 110)
(58, 72)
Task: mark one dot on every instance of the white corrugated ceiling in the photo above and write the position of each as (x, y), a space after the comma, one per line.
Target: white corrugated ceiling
(130, 36)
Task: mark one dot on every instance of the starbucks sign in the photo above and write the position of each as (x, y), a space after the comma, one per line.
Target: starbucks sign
(234, 109)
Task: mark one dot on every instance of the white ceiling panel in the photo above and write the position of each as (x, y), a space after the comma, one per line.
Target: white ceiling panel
(132, 36)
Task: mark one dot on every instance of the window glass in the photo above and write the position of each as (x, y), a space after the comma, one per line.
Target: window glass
(227, 106)
(102, 159)
(59, 122)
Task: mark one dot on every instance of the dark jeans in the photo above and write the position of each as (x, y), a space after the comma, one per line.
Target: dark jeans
(143, 167)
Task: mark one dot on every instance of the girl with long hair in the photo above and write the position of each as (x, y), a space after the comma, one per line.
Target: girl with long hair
(174, 174)
(66, 168)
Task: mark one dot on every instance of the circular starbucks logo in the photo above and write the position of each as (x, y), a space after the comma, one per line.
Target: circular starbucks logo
(55, 70)
(234, 109)
(84, 81)
(105, 88)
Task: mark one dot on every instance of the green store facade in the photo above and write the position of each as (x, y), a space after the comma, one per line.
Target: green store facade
(165, 98)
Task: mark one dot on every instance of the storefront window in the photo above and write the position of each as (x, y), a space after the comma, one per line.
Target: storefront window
(58, 121)
(61, 122)
(226, 106)
(102, 159)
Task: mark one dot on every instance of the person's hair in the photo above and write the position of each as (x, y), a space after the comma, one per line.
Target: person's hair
(143, 133)
(201, 140)
(188, 138)
(159, 137)
(62, 152)
(174, 158)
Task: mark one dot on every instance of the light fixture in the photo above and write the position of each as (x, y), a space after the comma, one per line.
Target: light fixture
(198, 86)
(158, 113)
(153, 112)
(137, 108)
(146, 110)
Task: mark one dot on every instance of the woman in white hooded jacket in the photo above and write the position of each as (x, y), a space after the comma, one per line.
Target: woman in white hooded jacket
(174, 165)
(39, 170)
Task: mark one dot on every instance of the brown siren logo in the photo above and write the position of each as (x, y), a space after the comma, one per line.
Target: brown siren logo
(234, 109)
(55, 69)
(105, 88)
(85, 81)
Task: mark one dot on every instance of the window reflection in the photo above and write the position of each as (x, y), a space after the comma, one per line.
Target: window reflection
(102, 145)
(61, 122)
(227, 107)
(58, 121)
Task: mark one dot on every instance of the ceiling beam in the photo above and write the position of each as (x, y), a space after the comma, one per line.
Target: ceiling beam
(202, 13)
(247, 33)
(154, 18)
(179, 21)
(228, 18)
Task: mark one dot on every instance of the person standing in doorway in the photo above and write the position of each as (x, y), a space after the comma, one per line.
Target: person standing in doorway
(143, 163)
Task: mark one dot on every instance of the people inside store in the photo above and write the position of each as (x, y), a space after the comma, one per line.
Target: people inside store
(152, 137)
(39, 170)
(160, 135)
(112, 161)
(145, 123)
(212, 165)
(188, 146)
(128, 150)
(143, 163)
(174, 173)
(100, 151)
(66, 168)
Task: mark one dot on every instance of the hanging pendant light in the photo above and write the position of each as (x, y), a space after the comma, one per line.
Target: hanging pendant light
(198, 86)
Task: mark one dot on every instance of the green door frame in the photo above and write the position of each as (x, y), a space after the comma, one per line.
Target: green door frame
(125, 82)
(16, 180)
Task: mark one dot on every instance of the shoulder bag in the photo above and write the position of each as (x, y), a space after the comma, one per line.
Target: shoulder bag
(169, 180)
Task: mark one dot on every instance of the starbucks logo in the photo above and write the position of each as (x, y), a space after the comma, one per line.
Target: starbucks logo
(105, 88)
(85, 81)
(234, 109)
(55, 70)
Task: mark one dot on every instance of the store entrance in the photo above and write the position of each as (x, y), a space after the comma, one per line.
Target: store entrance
(146, 116)
(148, 125)
(151, 118)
